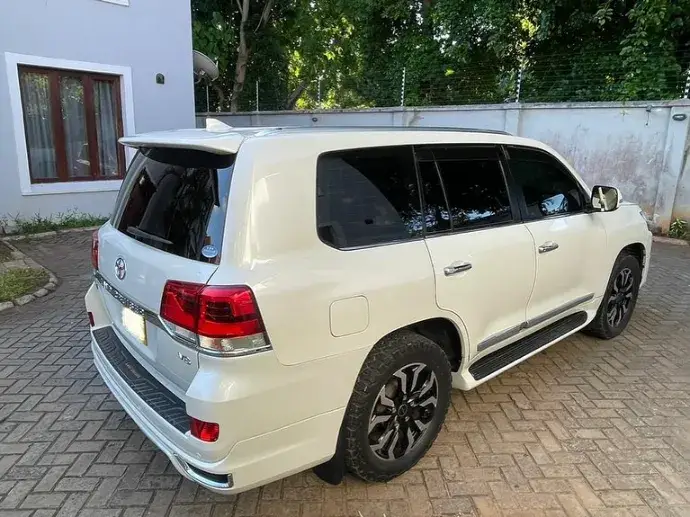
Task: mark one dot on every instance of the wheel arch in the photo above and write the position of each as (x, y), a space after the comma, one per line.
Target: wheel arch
(445, 333)
(638, 250)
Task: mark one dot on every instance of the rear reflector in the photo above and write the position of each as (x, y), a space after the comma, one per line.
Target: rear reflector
(94, 250)
(204, 431)
(222, 318)
(91, 322)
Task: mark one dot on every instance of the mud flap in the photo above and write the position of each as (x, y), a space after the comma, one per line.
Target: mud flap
(333, 470)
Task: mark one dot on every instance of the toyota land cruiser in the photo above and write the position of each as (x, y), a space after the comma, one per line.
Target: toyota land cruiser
(268, 300)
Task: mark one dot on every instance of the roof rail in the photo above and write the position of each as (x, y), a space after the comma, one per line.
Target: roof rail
(403, 128)
(469, 130)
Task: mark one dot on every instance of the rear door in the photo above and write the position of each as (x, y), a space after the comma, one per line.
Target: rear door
(167, 225)
(483, 257)
(570, 243)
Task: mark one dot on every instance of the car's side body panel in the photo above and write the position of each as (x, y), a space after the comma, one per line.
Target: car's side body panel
(568, 273)
(295, 277)
(490, 298)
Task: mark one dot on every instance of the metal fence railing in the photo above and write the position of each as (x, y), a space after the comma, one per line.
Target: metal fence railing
(574, 77)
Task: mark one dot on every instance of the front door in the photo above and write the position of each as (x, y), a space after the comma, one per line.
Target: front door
(483, 257)
(569, 242)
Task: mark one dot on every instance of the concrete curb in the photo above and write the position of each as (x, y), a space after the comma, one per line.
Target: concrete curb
(669, 240)
(51, 285)
(42, 235)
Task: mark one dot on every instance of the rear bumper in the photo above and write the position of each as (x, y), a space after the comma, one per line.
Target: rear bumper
(252, 462)
(269, 427)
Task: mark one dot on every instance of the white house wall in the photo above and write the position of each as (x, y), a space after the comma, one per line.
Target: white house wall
(146, 37)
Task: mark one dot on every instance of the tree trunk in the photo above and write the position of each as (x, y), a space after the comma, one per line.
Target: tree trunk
(242, 58)
(427, 27)
(295, 95)
(220, 104)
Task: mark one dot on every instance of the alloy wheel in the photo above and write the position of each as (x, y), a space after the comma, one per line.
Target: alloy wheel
(621, 297)
(403, 411)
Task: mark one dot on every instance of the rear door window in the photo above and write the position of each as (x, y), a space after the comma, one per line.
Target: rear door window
(367, 197)
(176, 200)
(463, 187)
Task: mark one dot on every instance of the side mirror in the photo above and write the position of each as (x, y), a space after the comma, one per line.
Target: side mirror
(605, 199)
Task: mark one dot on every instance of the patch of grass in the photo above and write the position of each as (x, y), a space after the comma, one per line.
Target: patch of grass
(60, 221)
(18, 282)
(5, 253)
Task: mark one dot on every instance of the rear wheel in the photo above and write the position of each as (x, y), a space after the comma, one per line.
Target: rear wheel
(398, 406)
(619, 300)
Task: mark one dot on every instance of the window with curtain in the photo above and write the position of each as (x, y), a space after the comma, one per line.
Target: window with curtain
(72, 121)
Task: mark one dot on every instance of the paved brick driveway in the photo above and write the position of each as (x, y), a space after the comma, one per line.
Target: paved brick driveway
(587, 428)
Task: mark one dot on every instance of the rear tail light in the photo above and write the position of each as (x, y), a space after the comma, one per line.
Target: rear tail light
(204, 431)
(224, 319)
(94, 250)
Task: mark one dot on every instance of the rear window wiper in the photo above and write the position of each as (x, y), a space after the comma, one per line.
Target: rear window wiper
(133, 230)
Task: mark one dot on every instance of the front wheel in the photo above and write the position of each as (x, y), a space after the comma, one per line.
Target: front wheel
(619, 300)
(398, 406)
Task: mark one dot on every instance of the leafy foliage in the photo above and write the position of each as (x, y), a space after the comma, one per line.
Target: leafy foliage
(60, 221)
(352, 53)
(679, 229)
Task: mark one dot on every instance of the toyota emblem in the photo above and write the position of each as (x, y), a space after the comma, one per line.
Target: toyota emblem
(120, 268)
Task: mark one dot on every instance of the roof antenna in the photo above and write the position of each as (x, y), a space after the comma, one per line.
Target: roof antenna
(216, 126)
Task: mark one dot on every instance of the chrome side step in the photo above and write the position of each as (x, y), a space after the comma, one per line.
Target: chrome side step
(511, 353)
(538, 320)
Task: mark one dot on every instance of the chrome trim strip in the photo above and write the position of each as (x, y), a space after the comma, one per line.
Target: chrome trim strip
(148, 315)
(122, 298)
(498, 337)
(558, 310)
(203, 481)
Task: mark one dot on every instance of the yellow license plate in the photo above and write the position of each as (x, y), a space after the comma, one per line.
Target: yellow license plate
(134, 324)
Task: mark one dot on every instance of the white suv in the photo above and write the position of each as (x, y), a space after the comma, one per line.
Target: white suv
(269, 300)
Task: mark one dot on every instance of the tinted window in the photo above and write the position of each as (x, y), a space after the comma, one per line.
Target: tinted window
(175, 200)
(436, 213)
(367, 197)
(474, 186)
(548, 188)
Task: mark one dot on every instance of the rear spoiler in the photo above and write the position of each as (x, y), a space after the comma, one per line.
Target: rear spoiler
(217, 137)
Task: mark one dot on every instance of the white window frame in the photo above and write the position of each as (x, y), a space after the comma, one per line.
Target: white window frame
(12, 62)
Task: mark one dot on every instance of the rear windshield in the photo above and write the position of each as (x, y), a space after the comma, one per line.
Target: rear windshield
(175, 200)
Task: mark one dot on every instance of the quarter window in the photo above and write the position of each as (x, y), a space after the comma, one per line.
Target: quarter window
(367, 197)
(547, 188)
(473, 183)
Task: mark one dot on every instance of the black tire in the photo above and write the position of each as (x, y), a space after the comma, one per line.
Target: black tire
(601, 326)
(389, 357)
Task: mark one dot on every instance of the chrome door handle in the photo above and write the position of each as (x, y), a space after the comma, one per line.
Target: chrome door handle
(456, 268)
(548, 246)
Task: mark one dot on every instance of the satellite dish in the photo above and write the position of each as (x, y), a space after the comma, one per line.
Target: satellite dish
(204, 68)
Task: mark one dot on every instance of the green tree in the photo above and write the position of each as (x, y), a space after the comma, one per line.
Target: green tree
(452, 51)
